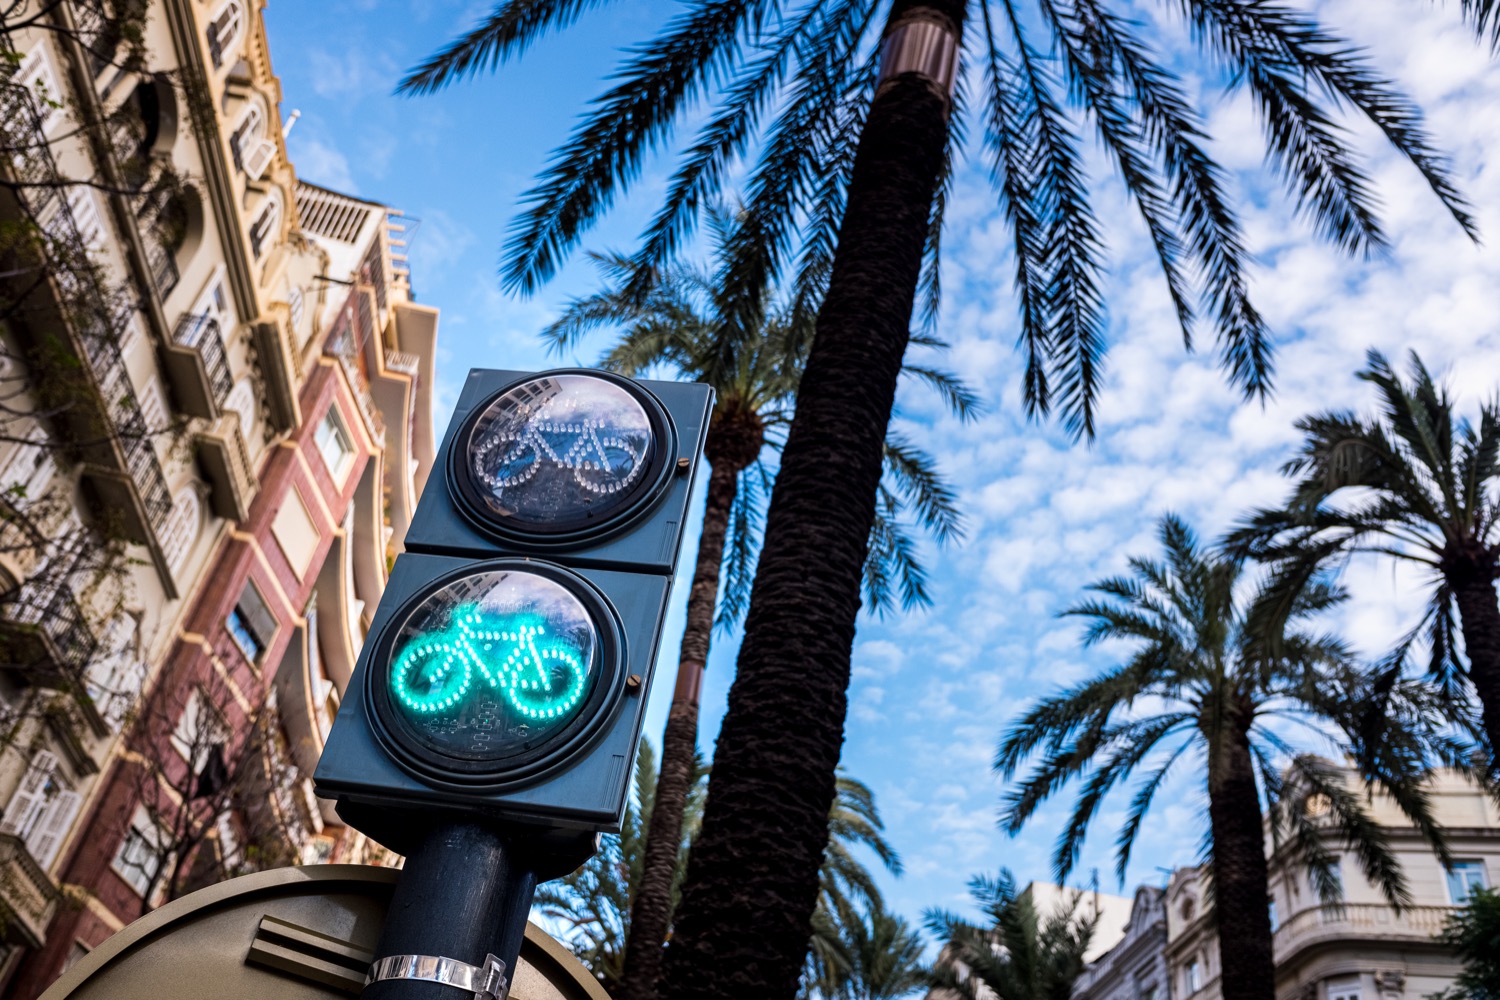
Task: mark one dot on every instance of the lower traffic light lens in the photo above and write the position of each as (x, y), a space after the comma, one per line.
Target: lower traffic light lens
(493, 664)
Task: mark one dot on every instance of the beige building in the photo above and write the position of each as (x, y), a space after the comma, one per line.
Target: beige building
(1363, 950)
(215, 419)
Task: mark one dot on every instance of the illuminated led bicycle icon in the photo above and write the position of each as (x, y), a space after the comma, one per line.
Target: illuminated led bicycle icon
(539, 674)
(600, 462)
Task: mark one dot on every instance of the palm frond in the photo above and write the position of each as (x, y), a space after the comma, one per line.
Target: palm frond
(509, 30)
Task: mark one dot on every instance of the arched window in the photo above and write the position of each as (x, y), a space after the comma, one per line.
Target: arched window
(224, 30)
(241, 401)
(264, 228)
(181, 529)
(248, 134)
(295, 302)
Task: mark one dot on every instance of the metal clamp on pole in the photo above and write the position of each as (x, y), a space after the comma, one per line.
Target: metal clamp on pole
(486, 982)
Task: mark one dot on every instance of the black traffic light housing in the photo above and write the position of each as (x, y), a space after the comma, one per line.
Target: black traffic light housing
(462, 707)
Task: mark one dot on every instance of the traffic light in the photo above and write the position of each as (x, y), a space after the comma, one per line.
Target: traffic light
(505, 674)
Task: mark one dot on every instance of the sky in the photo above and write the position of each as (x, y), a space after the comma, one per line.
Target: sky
(934, 689)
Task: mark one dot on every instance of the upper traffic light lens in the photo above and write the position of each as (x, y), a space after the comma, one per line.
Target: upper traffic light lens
(493, 665)
(563, 453)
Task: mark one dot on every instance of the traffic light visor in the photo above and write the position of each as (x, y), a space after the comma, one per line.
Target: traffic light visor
(492, 667)
(563, 454)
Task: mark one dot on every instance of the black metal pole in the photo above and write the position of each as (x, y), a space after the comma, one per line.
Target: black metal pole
(464, 893)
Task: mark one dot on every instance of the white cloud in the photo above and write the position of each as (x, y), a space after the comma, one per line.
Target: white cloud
(318, 161)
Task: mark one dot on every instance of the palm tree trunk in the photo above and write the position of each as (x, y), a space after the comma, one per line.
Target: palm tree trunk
(1479, 619)
(743, 924)
(1241, 883)
(651, 912)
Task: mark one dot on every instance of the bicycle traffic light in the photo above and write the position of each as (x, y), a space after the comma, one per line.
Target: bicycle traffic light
(506, 669)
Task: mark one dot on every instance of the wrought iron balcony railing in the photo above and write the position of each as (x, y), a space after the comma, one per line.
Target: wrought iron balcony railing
(98, 320)
(200, 331)
(48, 631)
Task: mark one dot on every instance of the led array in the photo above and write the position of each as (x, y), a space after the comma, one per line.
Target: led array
(512, 653)
(528, 450)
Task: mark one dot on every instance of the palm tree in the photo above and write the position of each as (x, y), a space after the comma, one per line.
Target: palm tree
(1020, 955)
(594, 903)
(879, 957)
(754, 372)
(1417, 483)
(1204, 682)
(852, 146)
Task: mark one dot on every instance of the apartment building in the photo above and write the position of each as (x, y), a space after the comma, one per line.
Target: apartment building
(1363, 949)
(215, 418)
(1135, 966)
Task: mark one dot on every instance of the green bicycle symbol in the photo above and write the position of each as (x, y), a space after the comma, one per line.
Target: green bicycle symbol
(540, 675)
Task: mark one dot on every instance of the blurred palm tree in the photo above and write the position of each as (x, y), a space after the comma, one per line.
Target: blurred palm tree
(1206, 683)
(1416, 484)
(871, 955)
(755, 371)
(593, 905)
(1019, 954)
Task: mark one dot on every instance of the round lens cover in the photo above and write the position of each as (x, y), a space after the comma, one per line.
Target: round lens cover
(493, 664)
(561, 453)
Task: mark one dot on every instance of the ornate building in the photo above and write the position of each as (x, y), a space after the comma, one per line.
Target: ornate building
(215, 418)
(1135, 967)
(1362, 949)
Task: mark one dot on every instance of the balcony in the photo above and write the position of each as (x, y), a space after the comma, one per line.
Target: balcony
(44, 636)
(274, 350)
(197, 365)
(28, 899)
(109, 433)
(226, 466)
(1320, 925)
(162, 262)
(403, 363)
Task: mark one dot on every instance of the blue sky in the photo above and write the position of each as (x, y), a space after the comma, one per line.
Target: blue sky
(933, 690)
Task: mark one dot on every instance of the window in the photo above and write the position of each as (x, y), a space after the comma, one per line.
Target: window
(139, 857)
(115, 678)
(1334, 873)
(213, 302)
(295, 303)
(30, 469)
(1145, 990)
(181, 529)
(86, 216)
(153, 409)
(224, 30)
(1193, 976)
(36, 76)
(1343, 989)
(1275, 919)
(1463, 878)
(42, 809)
(241, 402)
(76, 954)
(251, 624)
(250, 130)
(198, 729)
(333, 444)
(264, 226)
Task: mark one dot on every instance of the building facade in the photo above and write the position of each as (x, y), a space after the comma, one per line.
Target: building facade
(1135, 967)
(1362, 949)
(215, 419)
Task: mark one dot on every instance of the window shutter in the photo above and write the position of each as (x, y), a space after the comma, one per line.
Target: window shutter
(86, 218)
(36, 76)
(28, 799)
(48, 838)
